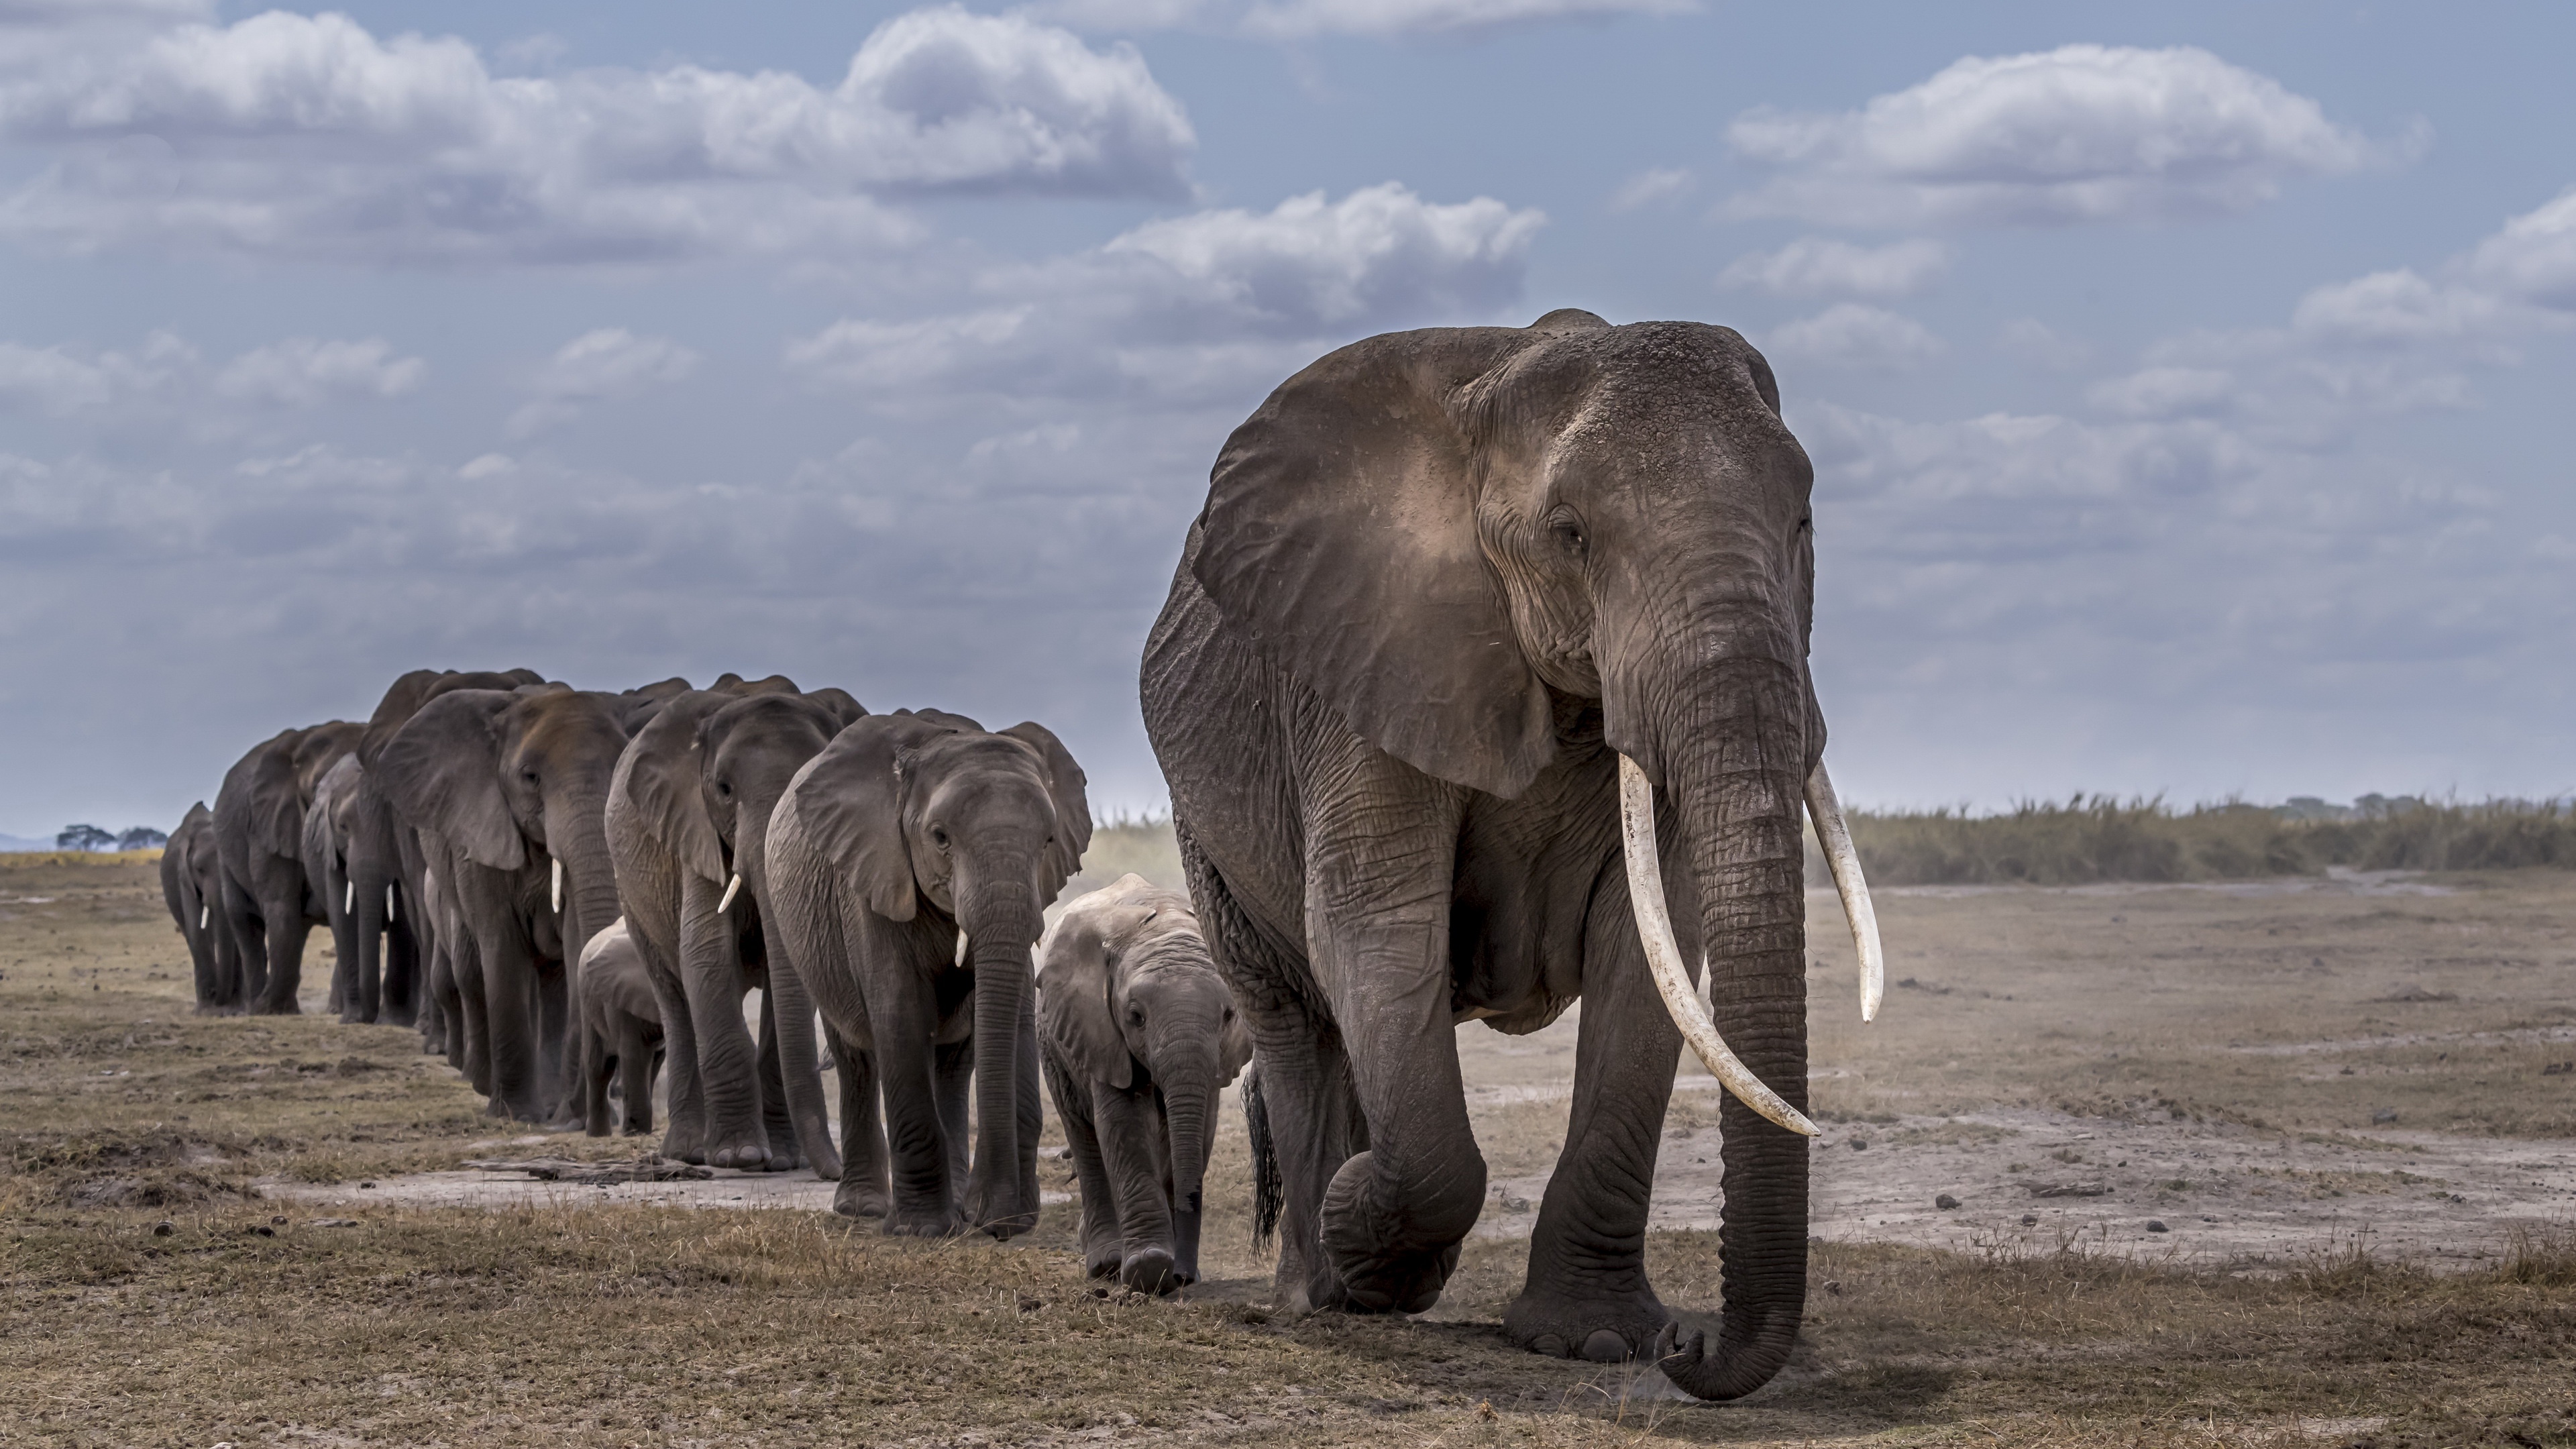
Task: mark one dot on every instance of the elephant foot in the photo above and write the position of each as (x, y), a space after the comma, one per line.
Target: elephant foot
(1004, 1215)
(1603, 1330)
(1151, 1270)
(747, 1153)
(924, 1223)
(855, 1200)
(1101, 1262)
(1361, 1239)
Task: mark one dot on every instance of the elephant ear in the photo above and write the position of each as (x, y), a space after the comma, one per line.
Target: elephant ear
(659, 774)
(442, 769)
(275, 817)
(1065, 785)
(1076, 1005)
(1340, 535)
(850, 799)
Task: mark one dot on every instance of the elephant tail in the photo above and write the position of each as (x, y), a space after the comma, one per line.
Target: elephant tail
(1267, 1190)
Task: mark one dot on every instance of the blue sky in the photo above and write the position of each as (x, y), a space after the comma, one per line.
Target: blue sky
(2186, 384)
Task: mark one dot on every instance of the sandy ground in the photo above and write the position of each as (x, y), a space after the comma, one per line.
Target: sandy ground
(2245, 1118)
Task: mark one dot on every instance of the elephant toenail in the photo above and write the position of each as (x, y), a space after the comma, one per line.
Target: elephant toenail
(1605, 1347)
(1549, 1344)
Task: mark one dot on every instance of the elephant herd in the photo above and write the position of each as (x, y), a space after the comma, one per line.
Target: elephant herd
(1482, 686)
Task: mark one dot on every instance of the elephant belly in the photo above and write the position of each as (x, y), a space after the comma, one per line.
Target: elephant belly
(1526, 873)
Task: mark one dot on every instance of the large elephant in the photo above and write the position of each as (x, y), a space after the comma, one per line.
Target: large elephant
(906, 831)
(687, 808)
(192, 886)
(1138, 1035)
(326, 875)
(381, 856)
(268, 905)
(507, 789)
(1465, 612)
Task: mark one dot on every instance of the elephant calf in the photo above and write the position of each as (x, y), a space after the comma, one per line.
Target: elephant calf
(621, 1031)
(1138, 1035)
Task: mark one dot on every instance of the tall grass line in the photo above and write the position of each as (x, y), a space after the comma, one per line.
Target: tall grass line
(2100, 838)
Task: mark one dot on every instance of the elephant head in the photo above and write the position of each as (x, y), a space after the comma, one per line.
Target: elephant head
(928, 813)
(1442, 533)
(1129, 998)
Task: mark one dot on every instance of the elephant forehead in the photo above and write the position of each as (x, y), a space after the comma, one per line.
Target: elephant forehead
(555, 725)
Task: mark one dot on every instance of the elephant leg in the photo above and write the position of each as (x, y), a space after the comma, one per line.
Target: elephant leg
(250, 947)
(1313, 1115)
(473, 1052)
(400, 983)
(1130, 1129)
(728, 1058)
(1103, 1240)
(635, 1076)
(863, 1150)
(956, 1070)
(556, 1094)
(598, 1064)
(927, 1174)
(1587, 1292)
(775, 1123)
(684, 1136)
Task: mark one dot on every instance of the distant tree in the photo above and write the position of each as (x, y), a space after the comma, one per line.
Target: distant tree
(83, 837)
(142, 837)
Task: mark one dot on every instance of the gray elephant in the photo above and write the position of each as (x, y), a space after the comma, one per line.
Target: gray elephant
(907, 831)
(192, 885)
(507, 789)
(1467, 611)
(687, 809)
(622, 1032)
(1139, 1037)
(390, 977)
(267, 904)
(326, 875)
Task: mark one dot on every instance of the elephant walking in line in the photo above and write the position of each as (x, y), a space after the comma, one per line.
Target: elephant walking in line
(1482, 685)
(507, 790)
(621, 1032)
(906, 831)
(688, 808)
(383, 862)
(192, 886)
(268, 905)
(326, 875)
(1138, 1036)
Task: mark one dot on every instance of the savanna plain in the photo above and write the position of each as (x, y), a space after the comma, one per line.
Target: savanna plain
(2287, 1162)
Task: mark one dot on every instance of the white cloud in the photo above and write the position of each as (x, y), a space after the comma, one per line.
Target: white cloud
(308, 136)
(304, 371)
(65, 382)
(1850, 335)
(2033, 342)
(1307, 19)
(1822, 267)
(599, 366)
(2165, 392)
(2083, 133)
(2533, 259)
(1177, 311)
(1656, 183)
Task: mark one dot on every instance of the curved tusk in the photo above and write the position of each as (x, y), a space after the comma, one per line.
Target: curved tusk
(1664, 956)
(731, 887)
(558, 886)
(348, 897)
(1827, 812)
(389, 902)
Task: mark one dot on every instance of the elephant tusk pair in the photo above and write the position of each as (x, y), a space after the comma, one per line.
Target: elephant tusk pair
(731, 888)
(1827, 812)
(1664, 956)
(558, 886)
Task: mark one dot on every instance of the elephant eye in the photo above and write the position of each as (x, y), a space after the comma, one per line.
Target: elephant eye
(1569, 535)
(939, 837)
(1135, 1016)
(724, 789)
(528, 775)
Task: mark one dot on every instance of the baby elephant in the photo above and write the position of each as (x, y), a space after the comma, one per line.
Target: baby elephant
(1138, 1036)
(621, 1031)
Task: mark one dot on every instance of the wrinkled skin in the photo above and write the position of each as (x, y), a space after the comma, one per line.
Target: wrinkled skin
(1444, 579)
(500, 786)
(621, 1025)
(672, 837)
(267, 904)
(192, 887)
(1138, 1036)
(906, 831)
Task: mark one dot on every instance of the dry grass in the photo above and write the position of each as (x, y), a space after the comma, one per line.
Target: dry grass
(578, 1326)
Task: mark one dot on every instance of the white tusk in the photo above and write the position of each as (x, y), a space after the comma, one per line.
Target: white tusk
(204, 914)
(558, 883)
(1664, 956)
(1827, 812)
(389, 903)
(732, 886)
(348, 897)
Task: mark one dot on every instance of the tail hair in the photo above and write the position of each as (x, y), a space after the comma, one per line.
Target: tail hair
(1268, 1192)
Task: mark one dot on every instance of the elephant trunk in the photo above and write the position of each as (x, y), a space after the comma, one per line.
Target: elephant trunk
(1734, 768)
(791, 1010)
(1189, 1100)
(1000, 937)
(577, 839)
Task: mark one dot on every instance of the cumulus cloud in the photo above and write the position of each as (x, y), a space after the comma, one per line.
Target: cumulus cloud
(1190, 306)
(599, 366)
(309, 136)
(1850, 335)
(2533, 259)
(1307, 19)
(1656, 183)
(166, 379)
(304, 371)
(2084, 133)
(1823, 267)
